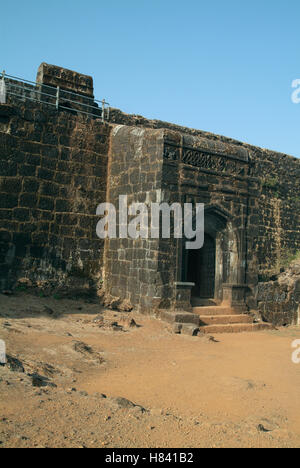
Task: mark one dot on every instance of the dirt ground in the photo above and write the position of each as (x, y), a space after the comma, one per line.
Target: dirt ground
(82, 376)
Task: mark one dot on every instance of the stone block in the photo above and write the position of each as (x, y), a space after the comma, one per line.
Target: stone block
(68, 80)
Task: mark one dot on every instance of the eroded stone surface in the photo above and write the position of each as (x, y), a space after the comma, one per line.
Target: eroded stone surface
(279, 300)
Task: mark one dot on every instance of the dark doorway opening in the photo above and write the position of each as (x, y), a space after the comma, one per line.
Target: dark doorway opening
(202, 269)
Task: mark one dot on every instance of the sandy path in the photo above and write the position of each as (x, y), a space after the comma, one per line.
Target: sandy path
(198, 393)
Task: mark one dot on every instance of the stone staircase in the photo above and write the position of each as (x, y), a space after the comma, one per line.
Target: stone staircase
(222, 319)
(212, 319)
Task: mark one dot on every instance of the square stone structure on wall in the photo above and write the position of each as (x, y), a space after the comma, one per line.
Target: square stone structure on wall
(165, 166)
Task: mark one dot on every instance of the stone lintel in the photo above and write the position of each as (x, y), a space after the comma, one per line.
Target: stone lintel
(184, 285)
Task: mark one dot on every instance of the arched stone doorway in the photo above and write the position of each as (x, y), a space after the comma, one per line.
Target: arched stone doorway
(218, 262)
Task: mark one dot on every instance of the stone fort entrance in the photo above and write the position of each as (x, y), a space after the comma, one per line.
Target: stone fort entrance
(201, 269)
(160, 274)
(218, 262)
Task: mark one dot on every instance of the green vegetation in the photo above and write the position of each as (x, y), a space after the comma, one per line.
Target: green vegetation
(270, 182)
(288, 257)
(297, 200)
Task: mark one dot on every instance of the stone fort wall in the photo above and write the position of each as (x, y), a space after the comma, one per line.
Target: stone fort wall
(56, 167)
(53, 174)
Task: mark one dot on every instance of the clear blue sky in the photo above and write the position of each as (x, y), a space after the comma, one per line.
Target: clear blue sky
(221, 66)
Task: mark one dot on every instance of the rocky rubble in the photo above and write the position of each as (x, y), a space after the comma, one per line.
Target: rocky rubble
(279, 300)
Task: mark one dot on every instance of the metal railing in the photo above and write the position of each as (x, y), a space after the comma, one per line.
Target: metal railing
(58, 98)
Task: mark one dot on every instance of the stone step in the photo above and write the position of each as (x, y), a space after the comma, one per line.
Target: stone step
(178, 317)
(215, 310)
(224, 319)
(198, 302)
(236, 328)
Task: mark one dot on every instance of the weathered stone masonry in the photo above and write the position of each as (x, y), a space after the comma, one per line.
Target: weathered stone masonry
(53, 175)
(252, 190)
(57, 167)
